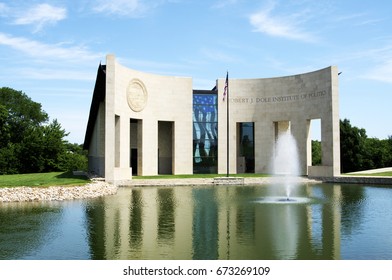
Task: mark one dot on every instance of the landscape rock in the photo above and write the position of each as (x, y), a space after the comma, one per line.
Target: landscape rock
(96, 188)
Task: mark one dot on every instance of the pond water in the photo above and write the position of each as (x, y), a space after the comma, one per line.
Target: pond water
(323, 221)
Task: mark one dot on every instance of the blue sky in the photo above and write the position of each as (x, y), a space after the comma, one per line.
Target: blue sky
(51, 49)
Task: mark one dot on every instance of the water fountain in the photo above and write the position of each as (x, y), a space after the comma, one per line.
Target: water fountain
(285, 162)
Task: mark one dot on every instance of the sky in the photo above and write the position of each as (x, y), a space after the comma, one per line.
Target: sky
(51, 49)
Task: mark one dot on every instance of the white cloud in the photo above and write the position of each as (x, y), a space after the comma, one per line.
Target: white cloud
(358, 19)
(223, 4)
(40, 15)
(368, 63)
(286, 26)
(381, 73)
(40, 50)
(381, 69)
(348, 17)
(41, 61)
(130, 8)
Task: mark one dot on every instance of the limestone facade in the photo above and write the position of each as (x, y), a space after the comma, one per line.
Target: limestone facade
(278, 104)
(144, 122)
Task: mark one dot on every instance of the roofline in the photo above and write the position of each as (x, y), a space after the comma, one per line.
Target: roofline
(99, 95)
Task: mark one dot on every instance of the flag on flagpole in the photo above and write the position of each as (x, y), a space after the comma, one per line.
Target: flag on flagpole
(226, 86)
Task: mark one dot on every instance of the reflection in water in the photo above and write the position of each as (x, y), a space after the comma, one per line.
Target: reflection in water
(215, 223)
(96, 227)
(285, 224)
(245, 217)
(205, 225)
(166, 215)
(212, 222)
(352, 209)
(135, 225)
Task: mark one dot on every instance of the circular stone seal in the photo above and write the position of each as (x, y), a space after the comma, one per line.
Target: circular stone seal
(136, 95)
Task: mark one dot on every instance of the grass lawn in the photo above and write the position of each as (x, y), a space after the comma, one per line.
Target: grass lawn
(42, 179)
(372, 174)
(198, 176)
(383, 174)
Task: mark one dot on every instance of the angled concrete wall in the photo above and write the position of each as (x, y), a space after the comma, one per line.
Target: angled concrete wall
(96, 152)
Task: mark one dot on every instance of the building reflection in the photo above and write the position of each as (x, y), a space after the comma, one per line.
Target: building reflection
(214, 223)
(205, 234)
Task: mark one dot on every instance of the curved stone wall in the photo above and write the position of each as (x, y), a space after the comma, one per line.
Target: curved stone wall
(295, 100)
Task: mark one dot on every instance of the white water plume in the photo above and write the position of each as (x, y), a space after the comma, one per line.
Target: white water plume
(286, 160)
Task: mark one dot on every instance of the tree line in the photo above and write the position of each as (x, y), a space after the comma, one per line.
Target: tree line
(29, 143)
(358, 151)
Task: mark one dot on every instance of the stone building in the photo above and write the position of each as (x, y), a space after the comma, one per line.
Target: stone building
(146, 124)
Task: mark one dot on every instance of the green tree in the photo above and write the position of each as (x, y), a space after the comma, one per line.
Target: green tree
(28, 143)
(316, 152)
(30, 155)
(74, 158)
(55, 145)
(22, 113)
(9, 161)
(352, 144)
(42, 148)
(358, 152)
(389, 148)
(4, 127)
(377, 153)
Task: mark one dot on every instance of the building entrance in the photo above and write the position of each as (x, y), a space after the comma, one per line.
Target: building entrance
(165, 147)
(135, 145)
(246, 148)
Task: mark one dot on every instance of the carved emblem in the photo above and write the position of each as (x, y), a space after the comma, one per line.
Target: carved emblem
(136, 95)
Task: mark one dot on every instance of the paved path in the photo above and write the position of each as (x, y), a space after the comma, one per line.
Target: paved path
(207, 181)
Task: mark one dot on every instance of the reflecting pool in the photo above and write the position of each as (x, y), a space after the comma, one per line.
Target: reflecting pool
(325, 221)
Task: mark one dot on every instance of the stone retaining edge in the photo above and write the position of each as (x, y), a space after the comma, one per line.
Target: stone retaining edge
(358, 180)
(98, 187)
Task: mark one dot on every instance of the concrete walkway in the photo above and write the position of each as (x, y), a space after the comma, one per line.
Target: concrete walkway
(208, 181)
(345, 178)
(350, 178)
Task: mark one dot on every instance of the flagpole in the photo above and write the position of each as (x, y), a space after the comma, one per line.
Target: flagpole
(228, 125)
(226, 93)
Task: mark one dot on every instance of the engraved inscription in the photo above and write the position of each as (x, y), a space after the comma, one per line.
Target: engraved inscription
(280, 99)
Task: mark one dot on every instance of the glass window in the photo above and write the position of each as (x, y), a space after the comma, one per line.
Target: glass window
(205, 133)
(247, 146)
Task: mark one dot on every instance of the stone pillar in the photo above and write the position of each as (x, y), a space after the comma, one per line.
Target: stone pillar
(116, 131)
(335, 121)
(182, 147)
(149, 149)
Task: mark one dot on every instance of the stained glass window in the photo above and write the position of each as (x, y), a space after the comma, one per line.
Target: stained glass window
(205, 132)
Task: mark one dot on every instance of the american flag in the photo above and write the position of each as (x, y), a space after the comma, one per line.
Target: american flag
(226, 86)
